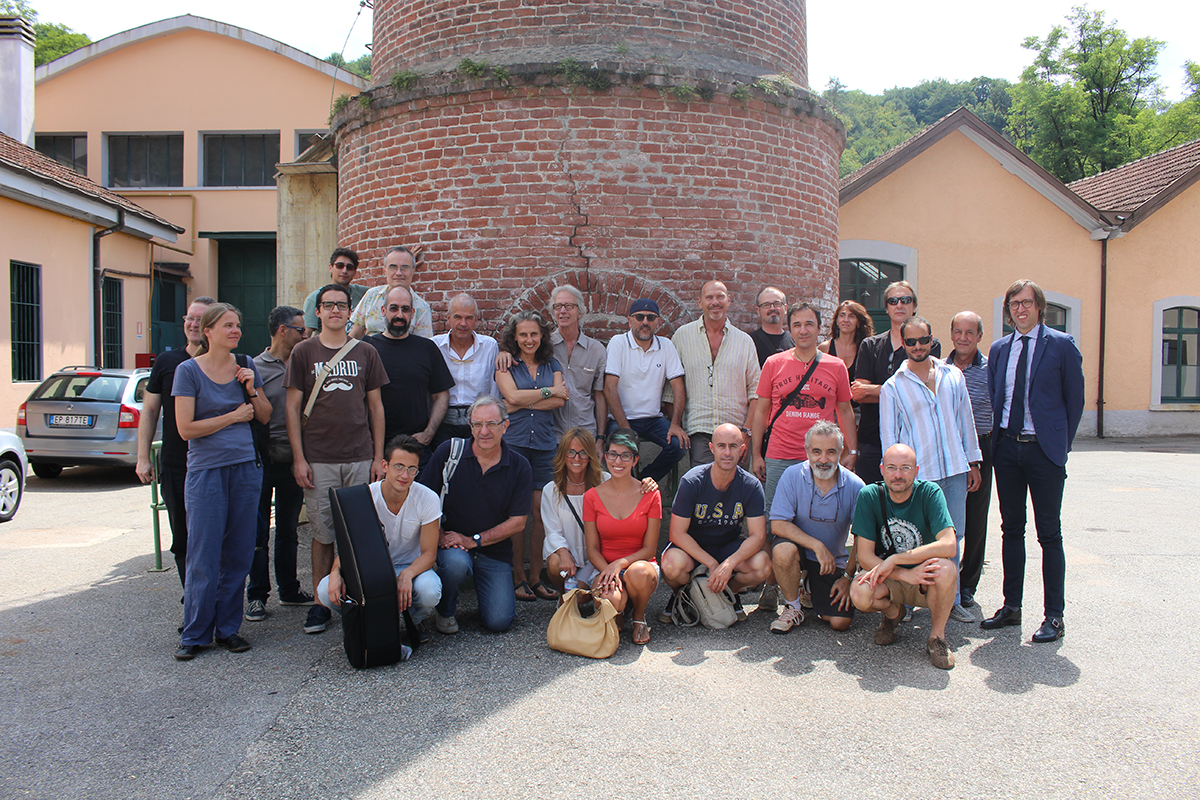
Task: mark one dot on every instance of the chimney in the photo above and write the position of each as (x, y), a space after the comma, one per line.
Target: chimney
(16, 78)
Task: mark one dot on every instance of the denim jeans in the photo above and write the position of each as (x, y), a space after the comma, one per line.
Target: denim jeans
(289, 497)
(1022, 467)
(220, 548)
(955, 490)
(426, 592)
(493, 585)
(654, 429)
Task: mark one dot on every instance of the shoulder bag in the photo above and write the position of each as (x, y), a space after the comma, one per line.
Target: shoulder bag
(715, 608)
(322, 375)
(791, 396)
(595, 636)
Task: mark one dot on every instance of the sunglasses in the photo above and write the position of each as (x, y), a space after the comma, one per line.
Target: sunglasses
(645, 317)
(895, 301)
(921, 340)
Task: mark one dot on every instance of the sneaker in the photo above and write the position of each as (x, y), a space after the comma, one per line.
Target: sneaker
(788, 618)
(256, 611)
(939, 654)
(769, 599)
(298, 599)
(425, 631)
(233, 643)
(446, 625)
(187, 652)
(968, 599)
(737, 609)
(318, 619)
(887, 631)
(960, 614)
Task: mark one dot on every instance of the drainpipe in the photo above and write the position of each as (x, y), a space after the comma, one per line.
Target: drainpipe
(1103, 318)
(98, 286)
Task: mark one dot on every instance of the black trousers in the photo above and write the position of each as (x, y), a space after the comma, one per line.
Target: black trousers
(170, 486)
(975, 533)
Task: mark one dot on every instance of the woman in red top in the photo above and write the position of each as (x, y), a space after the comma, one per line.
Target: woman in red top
(622, 526)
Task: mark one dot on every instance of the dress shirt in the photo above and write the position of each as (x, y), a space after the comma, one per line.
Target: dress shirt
(1010, 376)
(475, 373)
(939, 425)
(719, 390)
(583, 373)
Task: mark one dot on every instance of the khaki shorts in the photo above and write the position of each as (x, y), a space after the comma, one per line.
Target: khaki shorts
(907, 594)
(316, 500)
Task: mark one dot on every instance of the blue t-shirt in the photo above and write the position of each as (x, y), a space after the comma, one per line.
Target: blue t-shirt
(716, 516)
(233, 444)
(528, 427)
(825, 518)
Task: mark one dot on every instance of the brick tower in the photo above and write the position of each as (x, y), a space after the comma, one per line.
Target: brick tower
(630, 147)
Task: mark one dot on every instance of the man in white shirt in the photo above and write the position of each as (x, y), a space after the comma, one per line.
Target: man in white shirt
(471, 358)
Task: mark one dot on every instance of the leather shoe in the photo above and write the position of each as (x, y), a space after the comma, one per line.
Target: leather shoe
(1052, 630)
(1005, 616)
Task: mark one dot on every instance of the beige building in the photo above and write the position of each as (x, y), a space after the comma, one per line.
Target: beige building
(188, 118)
(960, 212)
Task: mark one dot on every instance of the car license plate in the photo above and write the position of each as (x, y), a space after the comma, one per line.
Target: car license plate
(70, 421)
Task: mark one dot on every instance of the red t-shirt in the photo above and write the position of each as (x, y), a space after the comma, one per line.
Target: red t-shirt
(828, 386)
(620, 537)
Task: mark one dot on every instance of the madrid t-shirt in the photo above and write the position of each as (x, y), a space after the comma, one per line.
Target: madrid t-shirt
(828, 386)
(716, 516)
(915, 522)
(339, 429)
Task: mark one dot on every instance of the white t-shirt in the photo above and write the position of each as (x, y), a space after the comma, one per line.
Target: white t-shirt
(403, 530)
(641, 373)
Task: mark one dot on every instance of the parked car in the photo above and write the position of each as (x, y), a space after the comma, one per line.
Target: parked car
(12, 474)
(83, 415)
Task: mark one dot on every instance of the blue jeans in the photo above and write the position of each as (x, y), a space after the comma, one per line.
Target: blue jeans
(654, 429)
(289, 497)
(955, 490)
(493, 586)
(1020, 468)
(221, 532)
(426, 591)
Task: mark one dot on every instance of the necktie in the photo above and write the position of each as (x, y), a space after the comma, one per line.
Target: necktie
(1016, 412)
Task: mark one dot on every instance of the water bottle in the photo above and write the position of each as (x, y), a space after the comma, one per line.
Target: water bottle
(570, 583)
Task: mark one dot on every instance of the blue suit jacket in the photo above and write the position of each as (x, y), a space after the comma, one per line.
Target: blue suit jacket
(1055, 390)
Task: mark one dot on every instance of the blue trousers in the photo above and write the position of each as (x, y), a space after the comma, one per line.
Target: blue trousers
(289, 497)
(954, 489)
(222, 513)
(654, 429)
(493, 585)
(1022, 468)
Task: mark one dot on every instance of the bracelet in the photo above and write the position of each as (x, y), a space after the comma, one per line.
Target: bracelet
(252, 395)
(853, 452)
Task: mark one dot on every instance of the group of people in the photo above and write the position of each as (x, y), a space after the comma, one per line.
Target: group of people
(805, 444)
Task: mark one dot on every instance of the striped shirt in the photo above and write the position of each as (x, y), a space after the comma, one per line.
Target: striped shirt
(937, 425)
(719, 390)
(977, 387)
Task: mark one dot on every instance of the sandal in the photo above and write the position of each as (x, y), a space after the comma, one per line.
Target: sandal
(528, 596)
(545, 591)
(641, 632)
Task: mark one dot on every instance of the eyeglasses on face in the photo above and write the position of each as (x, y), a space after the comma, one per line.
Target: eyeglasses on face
(1014, 305)
(491, 425)
(330, 305)
(192, 320)
(571, 453)
(903, 469)
(400, 309)
(625, 457)
(907, 300)
(564, 306)
(645, 317)
(298, 329)
(772, 304)
(344, 265)
(918, 340)
(403, 470)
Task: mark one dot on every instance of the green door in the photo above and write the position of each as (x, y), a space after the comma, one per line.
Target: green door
(246, 279)
(168, 304)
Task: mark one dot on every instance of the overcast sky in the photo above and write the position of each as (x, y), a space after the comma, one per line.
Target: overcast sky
(868, 44)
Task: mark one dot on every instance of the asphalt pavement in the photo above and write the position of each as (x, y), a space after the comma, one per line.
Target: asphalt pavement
(92, 704)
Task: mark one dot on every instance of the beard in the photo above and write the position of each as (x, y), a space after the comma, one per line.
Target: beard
(919, 359)
(823, 471)
(398, 327)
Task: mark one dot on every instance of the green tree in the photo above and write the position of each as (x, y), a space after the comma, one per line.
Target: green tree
(1080, 106)
(55, 40)
(874, 124)
(360, 66)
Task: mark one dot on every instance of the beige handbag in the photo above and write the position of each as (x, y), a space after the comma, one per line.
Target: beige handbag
(595, 636)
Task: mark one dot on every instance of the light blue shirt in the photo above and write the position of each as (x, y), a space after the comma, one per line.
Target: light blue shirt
(938, 426)
(1010, 376)
(824, 517)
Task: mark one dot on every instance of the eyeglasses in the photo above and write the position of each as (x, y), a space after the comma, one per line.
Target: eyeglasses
(564, 306)
(577, 453)
(919, 340)
(711, 367)
(1018, 304)
(409, 471)
(825, 500)
(907, 300)
(491, 425)
(645, 317)
(772, 304)
(625, 457)
(402, 309)
(330, 305)
(192, 320)
(344, 265)
(901, 468)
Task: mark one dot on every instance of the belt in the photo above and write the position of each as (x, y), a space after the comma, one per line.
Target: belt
(1020, 437)
(462, 407)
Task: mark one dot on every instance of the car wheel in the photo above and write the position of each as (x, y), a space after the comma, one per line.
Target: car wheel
(47, 471)
(10, 489)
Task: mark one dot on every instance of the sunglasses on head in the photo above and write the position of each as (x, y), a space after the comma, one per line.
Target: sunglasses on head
(915, 342)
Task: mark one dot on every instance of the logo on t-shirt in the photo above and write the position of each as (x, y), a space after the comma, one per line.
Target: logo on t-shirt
(336, 382)
(717, 515)
(904, 536)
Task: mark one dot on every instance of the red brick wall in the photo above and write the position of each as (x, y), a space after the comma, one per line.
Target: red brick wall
(625, 193)
(769, 34)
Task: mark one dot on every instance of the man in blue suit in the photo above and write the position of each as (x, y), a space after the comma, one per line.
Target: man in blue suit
(1035, 377)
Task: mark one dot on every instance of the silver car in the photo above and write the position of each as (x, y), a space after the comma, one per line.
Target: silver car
(12, 474)
(83, 415)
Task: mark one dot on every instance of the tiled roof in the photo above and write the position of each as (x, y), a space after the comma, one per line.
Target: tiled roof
(21, 158)
(1128, 187)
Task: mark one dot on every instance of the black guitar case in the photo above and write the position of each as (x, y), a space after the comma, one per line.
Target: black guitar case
(371, 613)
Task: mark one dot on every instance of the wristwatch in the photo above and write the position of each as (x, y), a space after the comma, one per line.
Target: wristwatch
(546, 392)
(478, 540)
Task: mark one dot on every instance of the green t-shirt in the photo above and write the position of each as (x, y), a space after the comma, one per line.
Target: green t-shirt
(357, 290)
(913, 523)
